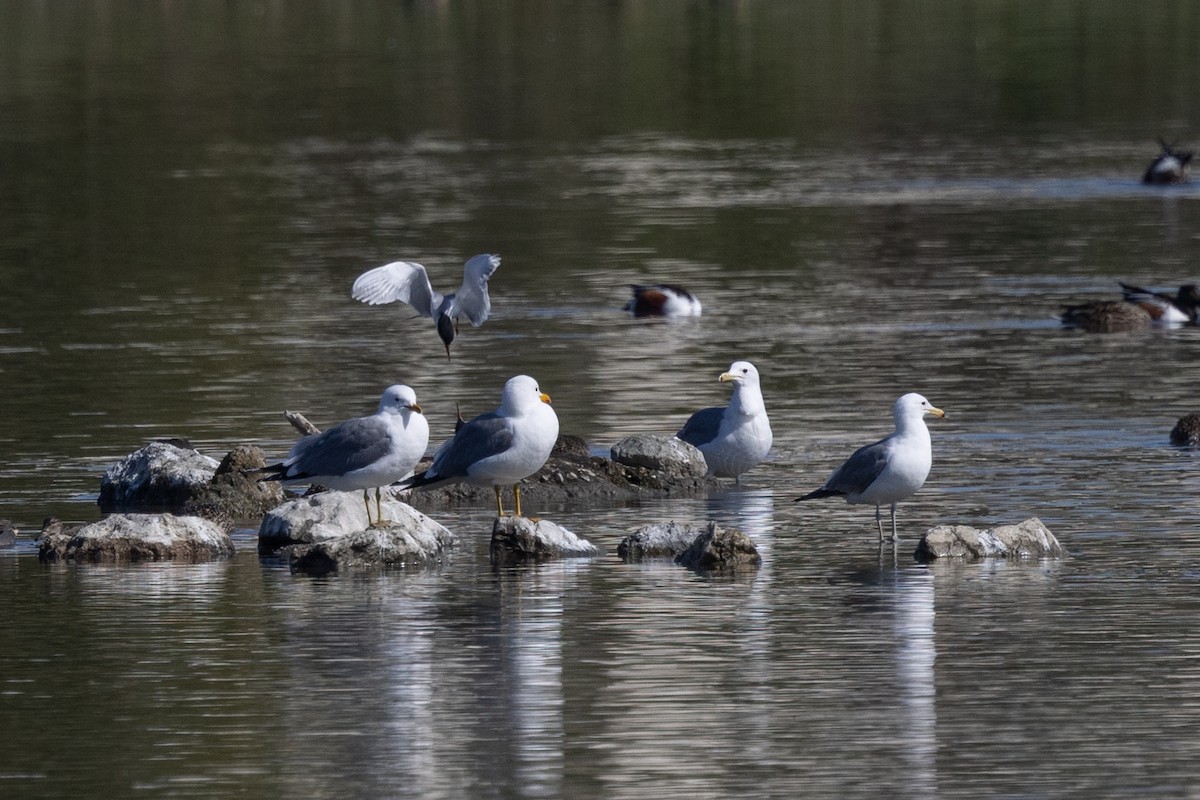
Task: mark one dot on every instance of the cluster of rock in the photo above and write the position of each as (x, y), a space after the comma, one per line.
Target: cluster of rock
(168, 501)
(173, 475)
(702, 549)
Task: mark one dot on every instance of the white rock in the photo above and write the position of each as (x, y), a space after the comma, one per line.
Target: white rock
(521, 537)
(159, 474)
(1028, 539)
(332, 515)
(140, 537)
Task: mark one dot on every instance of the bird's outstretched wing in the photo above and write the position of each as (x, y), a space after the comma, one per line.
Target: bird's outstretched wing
(406, 281)
(471, 300)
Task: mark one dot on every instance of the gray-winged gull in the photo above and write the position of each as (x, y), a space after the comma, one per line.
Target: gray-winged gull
(362, 452)
(890, 470)
(498, 448)
(408, 282)
(735, 438)
(662, 300)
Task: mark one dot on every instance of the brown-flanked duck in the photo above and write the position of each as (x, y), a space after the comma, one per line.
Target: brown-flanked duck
(1169, 167)
(1165, 309)
(662, 300)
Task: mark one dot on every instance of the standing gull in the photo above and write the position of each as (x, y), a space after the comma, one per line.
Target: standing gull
(662, 300)
(890, 470)
(362, 452)
(500, 447)
(735, 438)
(407, 281)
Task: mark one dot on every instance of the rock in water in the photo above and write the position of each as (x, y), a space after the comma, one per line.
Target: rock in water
(719, 548)
(331, 516)
(661, 454)
(160, 475)
(521, 538)
(664, 540)
(1028, 539)
(137, 537)
(397, 545)
(235, 491)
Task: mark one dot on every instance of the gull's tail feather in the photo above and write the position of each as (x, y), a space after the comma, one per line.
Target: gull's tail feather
(816, 494)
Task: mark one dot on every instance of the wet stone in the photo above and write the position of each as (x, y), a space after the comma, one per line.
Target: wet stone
(136, 537)
(1028, 539)
(718, 548)
(521, 538)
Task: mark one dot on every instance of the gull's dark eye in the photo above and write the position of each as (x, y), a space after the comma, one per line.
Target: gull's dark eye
(745, 371)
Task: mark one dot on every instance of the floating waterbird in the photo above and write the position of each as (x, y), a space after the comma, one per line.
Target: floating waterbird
(662, 300)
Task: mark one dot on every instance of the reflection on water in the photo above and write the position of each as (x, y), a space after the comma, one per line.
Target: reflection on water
(895, 199)
(916, 657)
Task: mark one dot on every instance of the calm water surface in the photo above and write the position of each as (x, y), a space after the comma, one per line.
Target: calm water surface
(868, 198)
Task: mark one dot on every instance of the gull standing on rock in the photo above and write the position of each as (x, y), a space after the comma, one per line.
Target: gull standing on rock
(362, 452)
(408, 282)
(499, 448)
(735, 438)
(890, 470)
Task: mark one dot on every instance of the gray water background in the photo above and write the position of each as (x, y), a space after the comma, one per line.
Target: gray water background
(869, 198)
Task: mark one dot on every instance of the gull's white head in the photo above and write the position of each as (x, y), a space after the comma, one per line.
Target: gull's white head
(913, 406)
(397, 399)
(521, 395)
(741, 373)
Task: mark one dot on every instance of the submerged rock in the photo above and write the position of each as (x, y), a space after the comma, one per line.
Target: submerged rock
(702, 549)
(1028, 539)
(136, 537)
(336, 525)
(399, 544)
(162, 474)
(663, 540)
(520, 538)
(8, 534)
(719, 548)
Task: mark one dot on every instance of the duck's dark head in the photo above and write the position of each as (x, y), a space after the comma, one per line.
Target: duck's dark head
(1188, 300)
